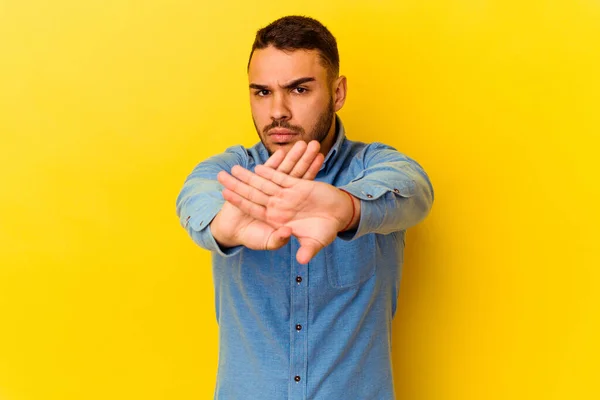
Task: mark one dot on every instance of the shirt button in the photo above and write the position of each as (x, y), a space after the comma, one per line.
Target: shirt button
(297, 378)
(370, 196)
(298, 327)
(298, 279)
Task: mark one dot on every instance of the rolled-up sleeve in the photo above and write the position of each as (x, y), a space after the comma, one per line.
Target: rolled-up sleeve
(395, 192)
(200, 199)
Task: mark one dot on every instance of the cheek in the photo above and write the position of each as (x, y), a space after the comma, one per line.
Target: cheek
(258, 114)
(309, 112)
(306, 106)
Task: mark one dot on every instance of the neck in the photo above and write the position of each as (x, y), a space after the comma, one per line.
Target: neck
(327, 144)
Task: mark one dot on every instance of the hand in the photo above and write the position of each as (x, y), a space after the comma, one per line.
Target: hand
(232, 227)
(314, 211)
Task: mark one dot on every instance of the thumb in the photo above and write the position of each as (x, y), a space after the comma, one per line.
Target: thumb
(307, 251)
(278, 238)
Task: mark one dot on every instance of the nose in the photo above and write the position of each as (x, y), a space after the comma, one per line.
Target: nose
(279, 108)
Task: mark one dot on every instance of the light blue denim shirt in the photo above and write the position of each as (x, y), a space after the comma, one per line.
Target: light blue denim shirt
(320, 331)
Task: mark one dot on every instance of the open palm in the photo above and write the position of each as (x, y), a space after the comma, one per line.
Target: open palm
(314, 211)
(249, 231)
(232, 226)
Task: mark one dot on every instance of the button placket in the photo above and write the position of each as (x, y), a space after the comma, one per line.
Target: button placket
(298, 320)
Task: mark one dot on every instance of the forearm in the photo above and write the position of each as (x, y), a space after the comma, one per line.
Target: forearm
(198, 212)
(200, 200)
(394, 193)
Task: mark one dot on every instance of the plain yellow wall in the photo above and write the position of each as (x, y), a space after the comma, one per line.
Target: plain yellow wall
(106, 106)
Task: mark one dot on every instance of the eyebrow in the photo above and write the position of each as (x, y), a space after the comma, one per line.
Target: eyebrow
(290, 85)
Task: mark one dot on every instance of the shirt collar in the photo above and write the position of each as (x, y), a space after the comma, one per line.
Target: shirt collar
(339, 140)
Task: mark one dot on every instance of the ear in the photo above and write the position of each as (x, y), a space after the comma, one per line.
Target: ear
(340, 89)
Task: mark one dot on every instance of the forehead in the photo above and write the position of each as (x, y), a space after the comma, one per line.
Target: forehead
(274, 65)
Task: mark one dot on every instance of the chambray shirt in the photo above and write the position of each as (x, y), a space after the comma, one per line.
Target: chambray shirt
(320, 331)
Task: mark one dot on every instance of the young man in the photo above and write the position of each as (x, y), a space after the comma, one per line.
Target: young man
(307, 232)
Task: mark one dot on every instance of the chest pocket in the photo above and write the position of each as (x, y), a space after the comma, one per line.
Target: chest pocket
(350, 263)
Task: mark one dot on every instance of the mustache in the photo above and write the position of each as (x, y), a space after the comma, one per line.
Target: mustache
(283, 124)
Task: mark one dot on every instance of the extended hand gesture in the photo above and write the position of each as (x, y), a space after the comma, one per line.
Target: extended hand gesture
(314, 212)
(232, 226)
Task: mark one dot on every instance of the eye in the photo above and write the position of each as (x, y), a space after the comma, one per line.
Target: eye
(300, 90)
(262, 92)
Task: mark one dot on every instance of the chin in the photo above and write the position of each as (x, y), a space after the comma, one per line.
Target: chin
(274, 147)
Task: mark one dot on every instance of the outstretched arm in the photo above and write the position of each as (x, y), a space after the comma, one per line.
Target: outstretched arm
(392, 193)
(215, 224)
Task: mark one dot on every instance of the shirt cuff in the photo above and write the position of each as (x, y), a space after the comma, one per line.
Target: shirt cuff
(375, 201)
(201, 234)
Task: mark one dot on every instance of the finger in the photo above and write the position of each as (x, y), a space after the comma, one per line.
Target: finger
(292, 157)
(252, 209)
(281, 179)
(314, 168)
(279, 238)
(276, 158)
(242, 189)
(255, 181)
(307, 251)
(306, 160)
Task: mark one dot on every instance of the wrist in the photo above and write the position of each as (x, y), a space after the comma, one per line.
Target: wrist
(351, 212)
(220, 237)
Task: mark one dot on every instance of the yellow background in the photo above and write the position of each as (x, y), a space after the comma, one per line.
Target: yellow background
(106, 106)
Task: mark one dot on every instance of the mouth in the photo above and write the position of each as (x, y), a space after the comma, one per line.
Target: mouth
(281, 136)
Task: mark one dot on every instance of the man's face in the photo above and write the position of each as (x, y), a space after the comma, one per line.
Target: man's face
(290, 97)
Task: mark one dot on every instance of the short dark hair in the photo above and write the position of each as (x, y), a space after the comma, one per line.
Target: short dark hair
(296, 32)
